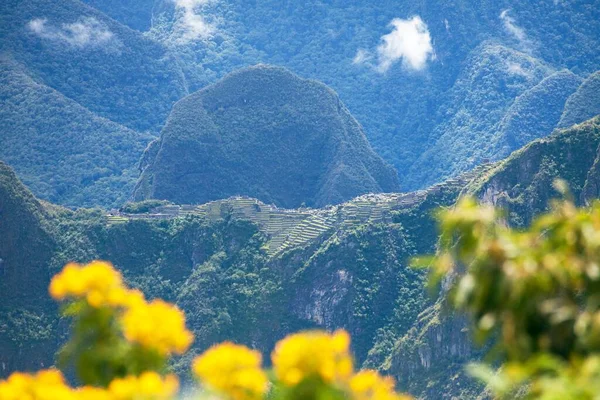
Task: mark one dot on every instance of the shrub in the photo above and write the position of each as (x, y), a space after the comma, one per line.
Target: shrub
(532, 293)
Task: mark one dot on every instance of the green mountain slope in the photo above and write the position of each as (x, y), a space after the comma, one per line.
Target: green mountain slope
(26, 245)
(106, 67)
(64, 153)
(430, 359)
(584, 103)
(265, 133)
(535, 113)
(480, 98)
(27, 317)
(511, 100)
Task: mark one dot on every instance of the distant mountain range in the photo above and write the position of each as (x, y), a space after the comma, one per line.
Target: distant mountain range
(486, 79)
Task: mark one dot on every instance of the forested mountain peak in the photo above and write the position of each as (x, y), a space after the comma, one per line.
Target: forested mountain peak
(266, 133)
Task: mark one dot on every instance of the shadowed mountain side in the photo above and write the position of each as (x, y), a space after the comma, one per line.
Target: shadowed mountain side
(25, 245)
(27, 317)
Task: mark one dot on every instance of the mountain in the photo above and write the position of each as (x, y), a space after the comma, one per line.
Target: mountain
(584, 103)
(129, 61)
(431, 357)
(404, 110)
(87, 85)
(266, 133)
(63, 152)
(250, 272)
(106, 67)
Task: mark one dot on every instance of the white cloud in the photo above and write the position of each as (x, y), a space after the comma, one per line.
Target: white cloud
(511, 26)
(193, 26)
(362, 56)
(409, 42)
(517, 69)
(38, 25)
(86, 32)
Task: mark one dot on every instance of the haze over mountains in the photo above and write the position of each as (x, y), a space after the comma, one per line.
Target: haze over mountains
(302, 149)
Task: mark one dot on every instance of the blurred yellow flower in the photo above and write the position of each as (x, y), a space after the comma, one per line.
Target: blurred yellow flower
(313, 354)
(158, 325)
(369, 385)
(44, 385)
(147, 386)
(97, 282)
(92, 393)
(232, 370)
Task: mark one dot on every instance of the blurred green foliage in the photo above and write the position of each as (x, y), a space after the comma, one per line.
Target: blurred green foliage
(534, 293)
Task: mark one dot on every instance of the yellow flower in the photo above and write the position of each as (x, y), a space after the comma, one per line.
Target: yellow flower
(232, 370)
(147, 386)
(158, 325)
(92, 393)
(369, 385)
(45, 385)
(313, 354)
(76, 280)
(50, 385)
(97, 282)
